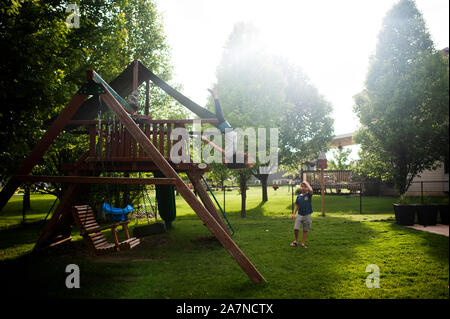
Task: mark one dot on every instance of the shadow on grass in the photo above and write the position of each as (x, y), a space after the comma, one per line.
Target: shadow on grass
(20, 234)
(186, 261)
(434, 245)
(256, 211)
(296, 272)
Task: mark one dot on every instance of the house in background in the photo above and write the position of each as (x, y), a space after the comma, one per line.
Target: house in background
(430, 182)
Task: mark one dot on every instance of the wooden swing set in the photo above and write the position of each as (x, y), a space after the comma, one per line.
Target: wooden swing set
(137, 143)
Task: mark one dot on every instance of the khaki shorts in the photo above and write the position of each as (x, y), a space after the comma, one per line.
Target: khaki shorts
(303, 220)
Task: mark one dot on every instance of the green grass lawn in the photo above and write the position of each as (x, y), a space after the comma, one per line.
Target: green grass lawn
(187, 262)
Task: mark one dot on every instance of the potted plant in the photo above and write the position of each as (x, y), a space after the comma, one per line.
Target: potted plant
(405, 212)
(427, 211)
(443, 212)
(275, 187)
(427, 214)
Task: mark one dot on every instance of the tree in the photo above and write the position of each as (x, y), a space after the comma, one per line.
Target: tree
(307, 127)
(242, 176)
(340, 160)
(219, 173)
(45, 63)
(261, 90)
(251, 90)
(404, 107)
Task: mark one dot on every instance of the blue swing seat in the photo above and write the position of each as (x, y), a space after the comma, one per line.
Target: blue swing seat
(117, 214)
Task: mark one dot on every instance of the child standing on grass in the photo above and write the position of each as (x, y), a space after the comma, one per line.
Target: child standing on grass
(303, 205)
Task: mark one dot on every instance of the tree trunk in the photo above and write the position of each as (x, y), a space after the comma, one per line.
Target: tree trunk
(243, 200)
(243, 188)
(26, 202)
(263, 180)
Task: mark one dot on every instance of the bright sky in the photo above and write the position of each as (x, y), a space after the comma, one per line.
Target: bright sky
(330, 40)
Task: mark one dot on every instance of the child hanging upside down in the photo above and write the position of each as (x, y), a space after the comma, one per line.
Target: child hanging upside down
(304, 207)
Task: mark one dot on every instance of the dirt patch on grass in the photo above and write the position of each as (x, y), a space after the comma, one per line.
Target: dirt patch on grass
(152, 242)
(206, 241)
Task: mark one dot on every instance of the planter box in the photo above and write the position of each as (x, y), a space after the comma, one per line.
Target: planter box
(427, 214)
(404, 214)
(443, 213)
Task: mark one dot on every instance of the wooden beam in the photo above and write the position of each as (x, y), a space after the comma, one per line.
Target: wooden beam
(135, 75)
(192, 106)
(184, 191)
(39, 150)
(95, 180)
(206, 200)
(143, 119)
(125, 165)
(63, 240)
(64, 207)
(147, 97)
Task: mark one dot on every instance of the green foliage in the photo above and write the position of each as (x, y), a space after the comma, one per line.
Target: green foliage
(257, 89)
(219, 173)
(250, 86)
(45, 63)
(251, 90)
(340, 160)
(33, 39)
(307, 126)
(260, 90)
(404, 109)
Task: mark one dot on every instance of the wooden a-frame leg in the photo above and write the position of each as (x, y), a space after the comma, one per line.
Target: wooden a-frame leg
(40, 149)
(64, 207)
(206, 200)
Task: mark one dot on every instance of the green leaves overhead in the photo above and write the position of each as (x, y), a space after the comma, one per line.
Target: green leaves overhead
(404, 109)
(45, 62)
(258, 89)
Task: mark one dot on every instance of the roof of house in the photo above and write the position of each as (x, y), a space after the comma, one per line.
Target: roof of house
(343, 140)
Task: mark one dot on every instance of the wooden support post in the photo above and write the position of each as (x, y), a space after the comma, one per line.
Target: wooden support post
(206, 200)
(322, 191)
(125, 230)
(122, 140)
(64, 207)
(40, 149)
(167, 139)
(135, 75)
(154, 134)
(184, 191)
(147, 97)
(116, 237)
(92, 144)
(161, 138)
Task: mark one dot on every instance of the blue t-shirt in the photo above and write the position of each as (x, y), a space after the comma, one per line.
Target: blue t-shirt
(304, 202)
